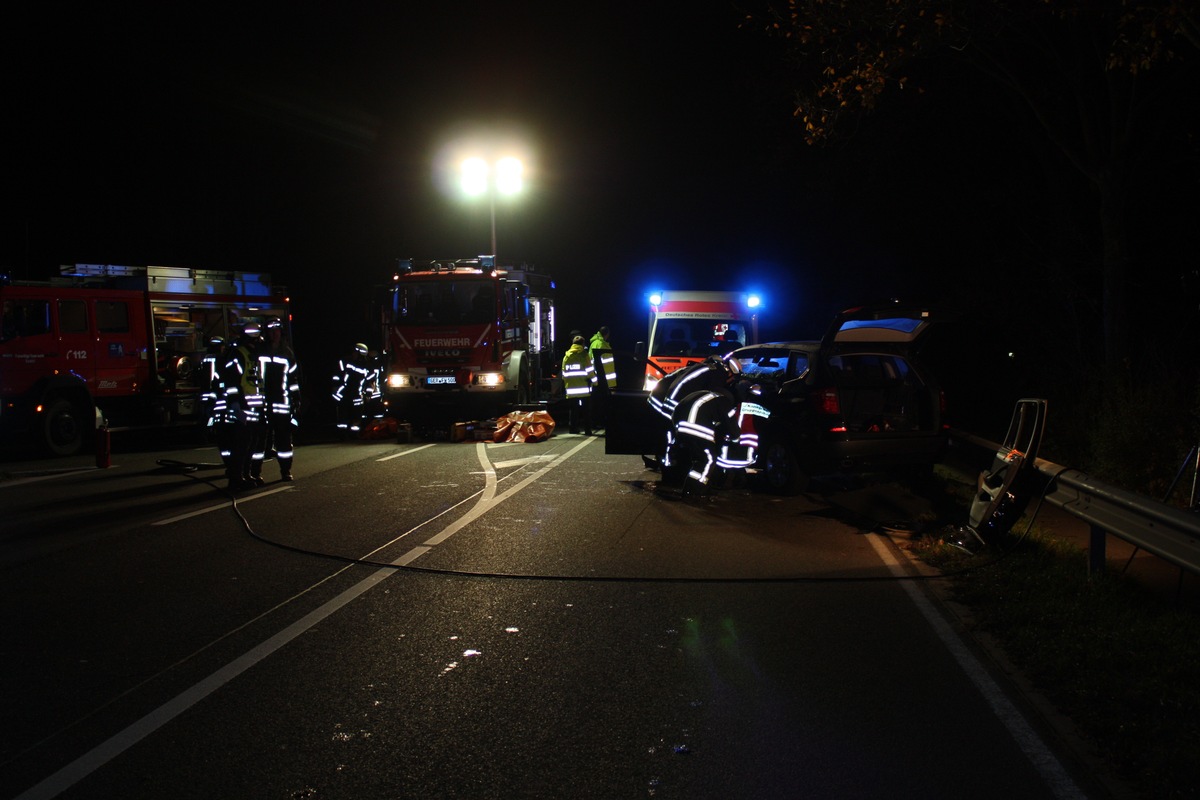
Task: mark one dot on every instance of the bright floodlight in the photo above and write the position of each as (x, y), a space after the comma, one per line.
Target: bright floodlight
(508, 175)
(474, 176)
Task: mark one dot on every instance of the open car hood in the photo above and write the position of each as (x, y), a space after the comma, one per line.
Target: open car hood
(883, 324)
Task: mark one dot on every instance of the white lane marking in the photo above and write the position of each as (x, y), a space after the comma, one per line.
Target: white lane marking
(518, 462)
(100, 755)
(488, 500)
(248, 498)
(404, 452)
(56, 473)
(220, 506)
(1044, 761)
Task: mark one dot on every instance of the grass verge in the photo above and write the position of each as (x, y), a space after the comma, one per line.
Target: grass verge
(1120, 663)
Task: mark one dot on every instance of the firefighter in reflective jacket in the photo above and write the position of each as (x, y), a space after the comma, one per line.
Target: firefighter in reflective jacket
(349, 387)
(243, 405)
(578, 375)
(281, 393)
(212, 396)
(711, 427)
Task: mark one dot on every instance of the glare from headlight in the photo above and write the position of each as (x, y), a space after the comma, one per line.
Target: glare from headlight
(490, 378)
(399, 380)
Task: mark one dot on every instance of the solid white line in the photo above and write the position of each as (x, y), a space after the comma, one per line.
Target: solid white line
(1043, 760)
(220, 506)
(83, 766)
(404, 452)
(100, 755)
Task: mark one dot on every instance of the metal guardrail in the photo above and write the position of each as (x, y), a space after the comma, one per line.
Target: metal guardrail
(1168, 532)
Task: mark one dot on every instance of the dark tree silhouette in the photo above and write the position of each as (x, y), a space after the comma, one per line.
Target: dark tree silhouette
(1094, 80)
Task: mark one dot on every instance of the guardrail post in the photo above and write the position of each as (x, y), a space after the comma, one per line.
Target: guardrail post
(1097, 558)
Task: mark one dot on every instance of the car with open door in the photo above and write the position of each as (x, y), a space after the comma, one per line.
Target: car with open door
(858, 400)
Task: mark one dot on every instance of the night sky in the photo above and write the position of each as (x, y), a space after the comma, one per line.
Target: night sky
(307, 144)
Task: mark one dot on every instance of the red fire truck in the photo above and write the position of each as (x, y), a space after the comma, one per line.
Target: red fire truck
(117, 342)
(467, 338)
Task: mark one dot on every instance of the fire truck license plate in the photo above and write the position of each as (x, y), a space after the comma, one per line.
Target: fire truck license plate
(435, 380)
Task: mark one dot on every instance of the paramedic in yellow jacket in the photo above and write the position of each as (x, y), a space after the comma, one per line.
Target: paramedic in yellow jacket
(578, 374)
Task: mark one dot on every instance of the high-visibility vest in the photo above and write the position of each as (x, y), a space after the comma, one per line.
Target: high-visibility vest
(601, 351)
(577, 372)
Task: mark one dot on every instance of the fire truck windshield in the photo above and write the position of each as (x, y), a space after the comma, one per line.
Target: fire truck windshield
(455, 302)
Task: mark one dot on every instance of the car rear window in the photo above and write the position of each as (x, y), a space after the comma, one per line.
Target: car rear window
(868, 369)
(773, 365)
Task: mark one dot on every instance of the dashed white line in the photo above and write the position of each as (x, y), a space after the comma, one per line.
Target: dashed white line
(404, 452)
(222, 506)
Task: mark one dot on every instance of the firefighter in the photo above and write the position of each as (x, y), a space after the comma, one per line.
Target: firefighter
(212, 396)
(281, 395)
(243, 405)
(709, 430)
(578, 376)
(373, 407)
(350, 388)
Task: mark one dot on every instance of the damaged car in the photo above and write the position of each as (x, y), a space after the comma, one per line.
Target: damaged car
(858, 400)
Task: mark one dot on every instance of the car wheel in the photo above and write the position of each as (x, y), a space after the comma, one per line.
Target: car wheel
(62, 429)
(782, 469)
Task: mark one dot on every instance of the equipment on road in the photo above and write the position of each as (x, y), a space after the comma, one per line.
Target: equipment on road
(122, 344)
(467, 338)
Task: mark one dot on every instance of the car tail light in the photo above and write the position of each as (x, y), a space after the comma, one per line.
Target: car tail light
(829, 402)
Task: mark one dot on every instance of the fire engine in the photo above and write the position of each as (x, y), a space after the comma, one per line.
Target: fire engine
(688, 326)
(116, 342)
(467, 337)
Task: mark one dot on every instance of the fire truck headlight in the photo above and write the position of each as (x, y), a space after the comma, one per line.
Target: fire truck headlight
(489, 378)
(399, 380)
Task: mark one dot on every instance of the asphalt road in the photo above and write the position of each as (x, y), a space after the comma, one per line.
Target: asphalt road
(481, 620)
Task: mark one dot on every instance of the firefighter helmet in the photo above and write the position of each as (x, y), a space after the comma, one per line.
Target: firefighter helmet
(361, 349)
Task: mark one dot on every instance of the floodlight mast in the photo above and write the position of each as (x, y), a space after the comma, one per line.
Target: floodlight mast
(480, 177)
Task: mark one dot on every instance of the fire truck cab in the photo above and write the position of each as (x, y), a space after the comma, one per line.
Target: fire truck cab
(688, 326)
(116, 342)
(467, 337)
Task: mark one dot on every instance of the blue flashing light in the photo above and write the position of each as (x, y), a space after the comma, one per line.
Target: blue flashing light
(656, 298)
(754, 301)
